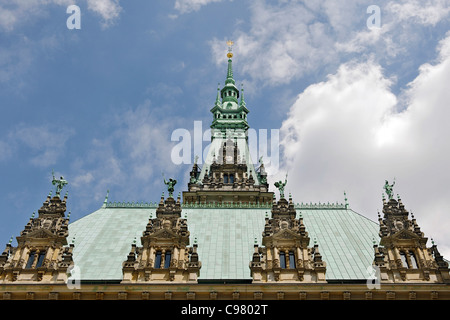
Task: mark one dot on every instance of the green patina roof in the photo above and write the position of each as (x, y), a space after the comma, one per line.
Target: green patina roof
(225, 239)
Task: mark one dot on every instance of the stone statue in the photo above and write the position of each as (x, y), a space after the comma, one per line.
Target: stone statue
(388, 188)
(280, 186)
(170, 186)
(60, 183)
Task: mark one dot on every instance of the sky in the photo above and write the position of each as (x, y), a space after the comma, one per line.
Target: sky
(356, 92)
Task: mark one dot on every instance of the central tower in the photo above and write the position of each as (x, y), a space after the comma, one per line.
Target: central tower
(228, 174)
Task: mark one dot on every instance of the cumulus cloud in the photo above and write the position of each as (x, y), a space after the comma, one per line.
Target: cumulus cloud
(349, 133)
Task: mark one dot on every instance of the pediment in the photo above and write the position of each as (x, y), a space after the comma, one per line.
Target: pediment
(286, 234)
(405, 235)
(40, 234)
(164, 234)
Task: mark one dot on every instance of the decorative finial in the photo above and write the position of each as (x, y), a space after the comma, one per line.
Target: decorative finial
(68, 216)
(32, 216)
(230, 49)
(10, 240)
(256, 241)
(134, 240)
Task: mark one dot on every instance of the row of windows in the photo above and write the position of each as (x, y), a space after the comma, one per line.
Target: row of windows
(40, 259)
(410, 263)
(228, 178)
(167, 257)
(283, 262)
(218, 115)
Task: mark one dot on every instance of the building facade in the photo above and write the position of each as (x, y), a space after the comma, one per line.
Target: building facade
(227, 237)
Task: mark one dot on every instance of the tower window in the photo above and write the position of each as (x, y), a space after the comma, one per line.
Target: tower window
(282, 260)
(225, 178)
(158, 260)
(167, 258)
(30, 260)
(231, 178)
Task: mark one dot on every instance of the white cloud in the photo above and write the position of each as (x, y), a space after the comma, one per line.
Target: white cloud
(186, 6)
(288, 40)
(346, 133)
(109, 10)
(43, 145)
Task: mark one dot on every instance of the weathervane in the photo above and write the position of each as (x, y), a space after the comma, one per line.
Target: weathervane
(230, 49)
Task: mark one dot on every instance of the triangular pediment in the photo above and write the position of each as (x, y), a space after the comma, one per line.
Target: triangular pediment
(405, 235)
(286, 234)
(164, 234)
(40, 234)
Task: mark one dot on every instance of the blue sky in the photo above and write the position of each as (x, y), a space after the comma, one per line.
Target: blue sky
(354, 105)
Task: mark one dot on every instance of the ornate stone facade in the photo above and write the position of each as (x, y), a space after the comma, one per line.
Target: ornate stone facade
(402, 255)
(285, 255)
(164, 255)
(42, 254)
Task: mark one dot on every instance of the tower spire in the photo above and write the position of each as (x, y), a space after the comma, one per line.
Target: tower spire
(230, 66)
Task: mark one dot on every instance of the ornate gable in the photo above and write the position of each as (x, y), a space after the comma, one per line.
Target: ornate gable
(402, 255)
(164, 255)
(285, 255)
(42, 253)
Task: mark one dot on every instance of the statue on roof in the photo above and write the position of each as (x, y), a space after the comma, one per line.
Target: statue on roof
(389, 189)
(280, 186)
(170, 186)
(60, 183)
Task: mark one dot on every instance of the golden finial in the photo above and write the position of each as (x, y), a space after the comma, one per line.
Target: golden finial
(230, 44)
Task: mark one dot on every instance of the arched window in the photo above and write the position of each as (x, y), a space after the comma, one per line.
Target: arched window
(225, 178)
(231, 178)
